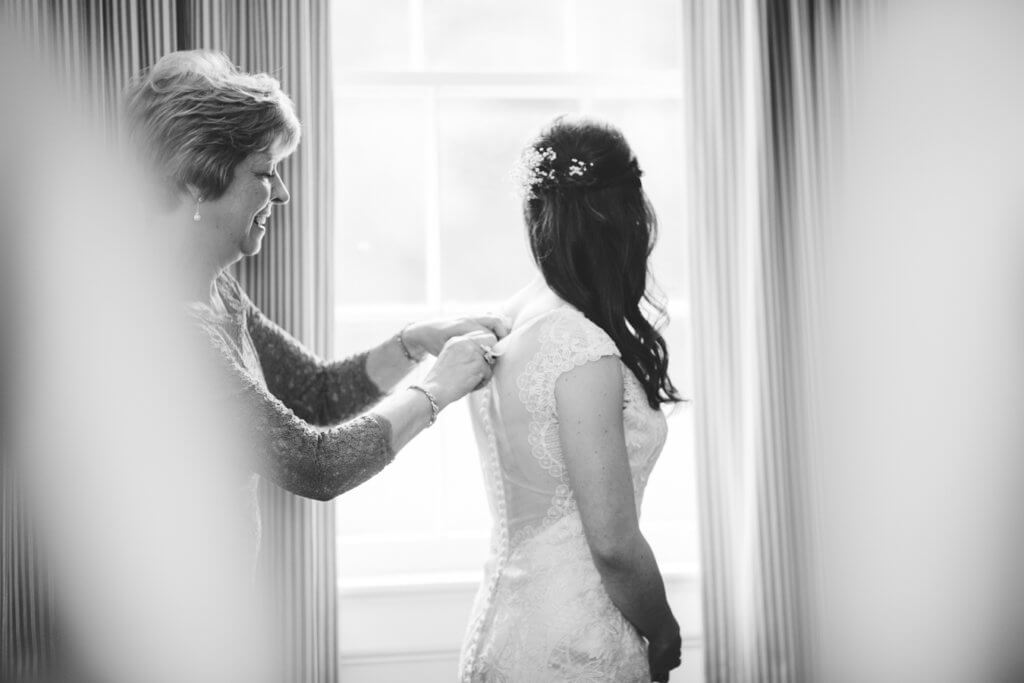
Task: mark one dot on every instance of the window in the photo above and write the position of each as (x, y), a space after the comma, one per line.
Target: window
(434, 101)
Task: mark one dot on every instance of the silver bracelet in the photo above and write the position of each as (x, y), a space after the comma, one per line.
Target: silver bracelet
(405, 349)
(435, 408)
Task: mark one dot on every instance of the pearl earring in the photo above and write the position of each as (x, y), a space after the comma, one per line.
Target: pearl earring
(196, 215)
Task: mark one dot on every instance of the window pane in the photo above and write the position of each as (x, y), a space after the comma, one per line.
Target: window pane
(678, 334)
(371, 35)
(669, 514)
(437, 476)
(485, 255)
(380, 169)
(654, 129)
(355, 336)
(370, 509)
(494, 35)
(464, 509)
(397, 159)
(402, 499)
(616, 35)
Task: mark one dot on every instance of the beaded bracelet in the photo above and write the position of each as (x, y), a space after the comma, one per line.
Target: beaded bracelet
(405, 349)
(434, 407)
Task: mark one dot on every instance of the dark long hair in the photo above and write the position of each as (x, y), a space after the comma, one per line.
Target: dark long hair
(591, 231)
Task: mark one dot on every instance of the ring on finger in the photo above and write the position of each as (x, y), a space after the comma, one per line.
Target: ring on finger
(488, 354)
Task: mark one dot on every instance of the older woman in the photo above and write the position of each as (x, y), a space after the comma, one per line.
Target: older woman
(217, 137)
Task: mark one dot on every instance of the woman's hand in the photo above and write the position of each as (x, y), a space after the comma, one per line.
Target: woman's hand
(461, 367)
(430, 336)
(663, 654)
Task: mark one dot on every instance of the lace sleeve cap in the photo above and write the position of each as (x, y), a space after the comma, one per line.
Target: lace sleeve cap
(579, 340)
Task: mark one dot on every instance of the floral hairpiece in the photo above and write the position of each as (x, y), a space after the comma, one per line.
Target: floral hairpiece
(535, 170)
(578, 168)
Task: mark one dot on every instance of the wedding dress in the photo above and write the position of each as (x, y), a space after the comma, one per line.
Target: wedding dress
(542, 613)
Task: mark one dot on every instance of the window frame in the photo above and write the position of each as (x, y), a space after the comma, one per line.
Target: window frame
(433, 87)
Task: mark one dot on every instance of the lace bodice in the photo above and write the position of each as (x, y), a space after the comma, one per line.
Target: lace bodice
(542, 613)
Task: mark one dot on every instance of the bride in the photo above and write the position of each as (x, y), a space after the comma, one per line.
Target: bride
(569, 430)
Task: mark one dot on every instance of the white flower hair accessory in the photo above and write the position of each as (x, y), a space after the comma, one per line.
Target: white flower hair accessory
(578, 168)
(529, 172)
(536, 170)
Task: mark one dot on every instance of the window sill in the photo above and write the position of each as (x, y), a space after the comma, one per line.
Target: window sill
(419, 620)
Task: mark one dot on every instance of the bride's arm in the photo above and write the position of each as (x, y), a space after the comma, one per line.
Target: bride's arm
(589, 402)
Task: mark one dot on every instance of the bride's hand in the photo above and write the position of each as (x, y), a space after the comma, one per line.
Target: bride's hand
(462, 366)
(663, 655)
(430, 336)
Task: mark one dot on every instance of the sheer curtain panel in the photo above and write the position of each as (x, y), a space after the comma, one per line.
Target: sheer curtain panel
(764, 86)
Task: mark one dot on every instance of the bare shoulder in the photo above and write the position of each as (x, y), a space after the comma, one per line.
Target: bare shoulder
(589, 386)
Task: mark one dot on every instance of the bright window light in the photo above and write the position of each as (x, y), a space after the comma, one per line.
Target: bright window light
(434, 101)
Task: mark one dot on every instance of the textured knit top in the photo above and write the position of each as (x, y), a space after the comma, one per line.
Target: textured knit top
(305, 418)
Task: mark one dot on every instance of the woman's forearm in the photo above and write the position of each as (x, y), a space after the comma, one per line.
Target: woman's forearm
(409, 413)
(321, 393)
(634, 584)
(322, 464)
(387, 364)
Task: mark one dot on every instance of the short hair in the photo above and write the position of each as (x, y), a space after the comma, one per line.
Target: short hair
(198, 116)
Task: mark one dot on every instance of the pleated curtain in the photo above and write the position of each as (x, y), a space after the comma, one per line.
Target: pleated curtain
(96, 48)
(765, 91)
(27, 620)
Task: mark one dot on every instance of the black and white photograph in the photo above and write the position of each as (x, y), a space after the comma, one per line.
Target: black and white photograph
(511, 341)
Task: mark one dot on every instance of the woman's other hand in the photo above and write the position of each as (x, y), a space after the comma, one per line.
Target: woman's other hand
(461, 366)
(663, 655)
(430, 336)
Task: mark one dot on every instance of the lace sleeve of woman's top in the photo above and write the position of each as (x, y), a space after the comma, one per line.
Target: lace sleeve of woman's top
(296, 456)
(321, 393)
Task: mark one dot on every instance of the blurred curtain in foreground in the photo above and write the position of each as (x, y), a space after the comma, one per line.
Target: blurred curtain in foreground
(920, 467)
(94, 49)
(27, 624)
(765, 81)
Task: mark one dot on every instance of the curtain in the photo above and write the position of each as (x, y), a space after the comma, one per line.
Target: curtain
(27, 624)
(292, 282)
(95, 48)
(765, 88)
